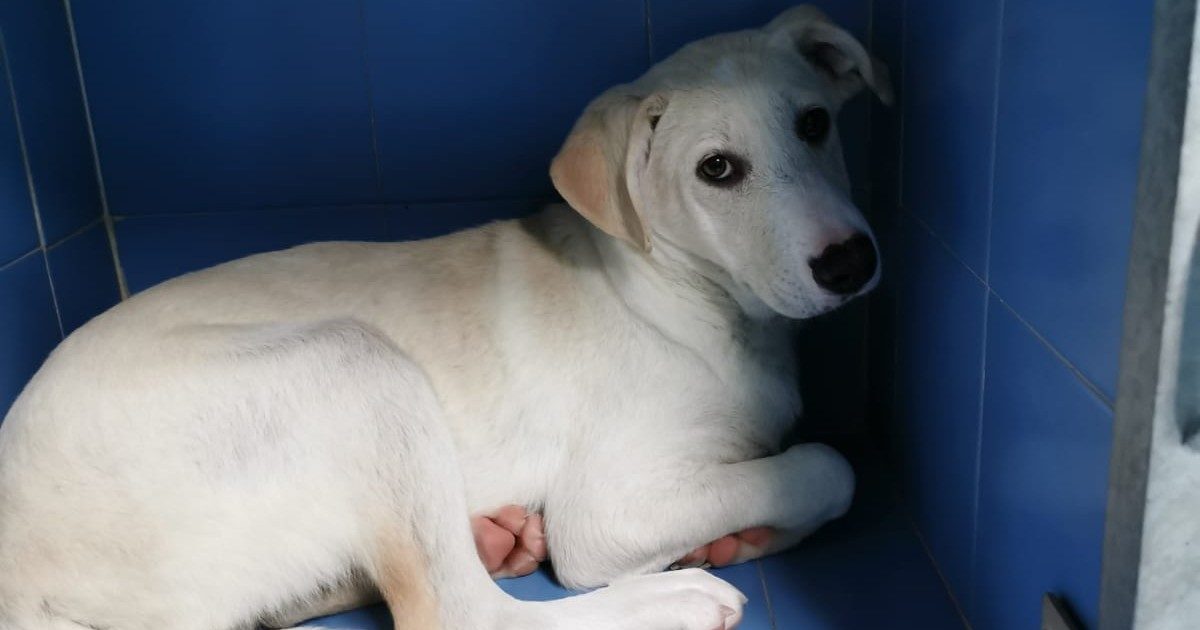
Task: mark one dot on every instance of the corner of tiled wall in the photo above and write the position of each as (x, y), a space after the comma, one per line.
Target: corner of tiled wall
(56, 266)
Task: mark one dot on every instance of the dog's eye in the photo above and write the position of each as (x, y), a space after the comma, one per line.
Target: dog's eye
(718, 169)
(812, 125)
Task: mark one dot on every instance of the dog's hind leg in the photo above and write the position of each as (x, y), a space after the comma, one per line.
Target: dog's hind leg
(417, 545)
(431, 578)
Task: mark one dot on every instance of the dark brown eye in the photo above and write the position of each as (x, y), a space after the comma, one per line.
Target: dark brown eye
(718, 169)
(812, 125)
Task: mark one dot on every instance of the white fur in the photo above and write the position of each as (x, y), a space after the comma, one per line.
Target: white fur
(237, 442)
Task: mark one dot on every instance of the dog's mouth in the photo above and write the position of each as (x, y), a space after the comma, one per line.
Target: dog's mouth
(800, 303)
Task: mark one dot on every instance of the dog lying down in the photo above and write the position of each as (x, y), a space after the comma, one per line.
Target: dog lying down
(297, 432)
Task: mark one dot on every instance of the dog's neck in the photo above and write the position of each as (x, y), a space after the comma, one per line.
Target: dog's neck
(677, 293)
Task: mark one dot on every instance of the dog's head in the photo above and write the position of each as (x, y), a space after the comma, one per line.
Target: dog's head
(725, 156)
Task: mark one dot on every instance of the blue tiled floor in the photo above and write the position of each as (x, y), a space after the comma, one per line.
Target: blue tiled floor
(866, 571)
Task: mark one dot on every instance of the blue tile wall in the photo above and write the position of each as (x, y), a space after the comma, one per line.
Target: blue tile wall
(217, 105)
(52, 279)
(1068, 130)
(884, 122)
(883, 186)
(42, 63)
(1043, 482)
(939, 351)
(28, 325)
(157, 247)
(473, 99)
(1018, 157)
(85, 282)
(950, 47)
(674, 23)
(18, 234)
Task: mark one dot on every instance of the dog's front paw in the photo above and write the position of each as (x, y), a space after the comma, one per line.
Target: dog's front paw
(510, 541)
(691, 599)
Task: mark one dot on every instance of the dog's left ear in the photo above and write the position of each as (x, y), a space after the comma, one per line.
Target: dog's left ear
(598, 170)
(832, 50)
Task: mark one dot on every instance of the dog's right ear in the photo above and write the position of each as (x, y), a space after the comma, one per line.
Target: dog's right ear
(590, 170)
(832, 50)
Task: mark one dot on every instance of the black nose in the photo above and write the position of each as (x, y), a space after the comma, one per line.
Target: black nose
(845, 267)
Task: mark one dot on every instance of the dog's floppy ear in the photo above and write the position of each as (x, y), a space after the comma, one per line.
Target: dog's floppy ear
(593, 168)
(832, 50)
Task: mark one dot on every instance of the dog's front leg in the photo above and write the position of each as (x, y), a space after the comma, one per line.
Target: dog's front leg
(600, 529)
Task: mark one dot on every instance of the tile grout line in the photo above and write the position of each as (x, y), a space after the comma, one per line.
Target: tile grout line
(762, 577)
(362, 21)
(987, 300)
(978, 472)
(1087, 383)
(937, 569)
(19, 259)
(946, 246)
(33, 198)
(1079, 375)
(63, 241)
(987, 245)
(105, 212)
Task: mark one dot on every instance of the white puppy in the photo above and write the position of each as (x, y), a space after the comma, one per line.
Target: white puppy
(287, 432)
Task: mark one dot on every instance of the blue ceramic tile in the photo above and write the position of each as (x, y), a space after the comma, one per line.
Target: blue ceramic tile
(674, 23)
(154, 248)
(887, 34)
(474, 99)
(46, 84)
(949, 103)
(938, 370)
(882, 208)
(883, 306)
(18, 234)
(853, 127)
(831, 353)
(85, 282)
(540, 587)
(1043, 483)
(537, 587)
(885, 128)
(28, 325)
(418, 221)
(878, 579)
(370, 618)
(1072, 83)
(213, 105)
(867, 570)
